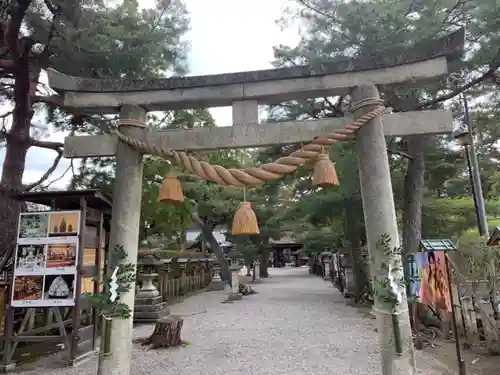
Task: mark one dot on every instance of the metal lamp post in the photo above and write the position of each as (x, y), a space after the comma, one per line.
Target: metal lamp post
(464, 137)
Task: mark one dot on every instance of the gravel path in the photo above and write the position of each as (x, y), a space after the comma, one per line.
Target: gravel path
(296, 325)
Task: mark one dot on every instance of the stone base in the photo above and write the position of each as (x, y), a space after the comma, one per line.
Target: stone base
(235, 297)
(148, 301)
(216, 285)
(149, 310)
(7, 368)
(348, 294)
(82, 358)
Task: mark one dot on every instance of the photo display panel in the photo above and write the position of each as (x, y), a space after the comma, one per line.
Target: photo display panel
(46, 259)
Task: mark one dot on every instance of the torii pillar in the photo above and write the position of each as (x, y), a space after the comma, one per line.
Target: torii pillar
(380, 219)
(125, 224)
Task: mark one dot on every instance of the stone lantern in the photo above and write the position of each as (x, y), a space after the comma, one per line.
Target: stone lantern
(216, 282)
(182, 262)
(205, 269)
(148, 304)
(149, 263)
(195, 266)
(327, 263)
(167, 265)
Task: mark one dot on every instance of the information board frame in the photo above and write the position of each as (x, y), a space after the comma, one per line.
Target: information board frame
(46, 259)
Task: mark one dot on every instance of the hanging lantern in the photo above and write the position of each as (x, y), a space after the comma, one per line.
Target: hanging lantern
(245, 221)
(170, 190)
(324, 173)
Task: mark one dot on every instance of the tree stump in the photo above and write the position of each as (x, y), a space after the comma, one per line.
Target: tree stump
(167, 333)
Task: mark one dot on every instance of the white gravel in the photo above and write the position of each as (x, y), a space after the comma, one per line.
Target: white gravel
(297, 325)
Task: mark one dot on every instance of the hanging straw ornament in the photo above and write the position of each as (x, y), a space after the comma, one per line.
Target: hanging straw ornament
(324, 173)
(170, 190)
(245, 220)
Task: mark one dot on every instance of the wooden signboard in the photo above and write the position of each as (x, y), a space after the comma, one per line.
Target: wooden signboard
(46, 259)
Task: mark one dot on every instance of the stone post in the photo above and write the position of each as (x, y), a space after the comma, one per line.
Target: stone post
(234, 289)
(380, 218)
(235, 281)
(125, 224)
(327, 275)
(327, 260)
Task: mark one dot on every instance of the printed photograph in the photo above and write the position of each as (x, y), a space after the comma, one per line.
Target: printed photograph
(33, 225)
(30, 259)
(64, 224)
(59, 287)
(414, 272)
(27, 288)
(433, 286)
(61, 255)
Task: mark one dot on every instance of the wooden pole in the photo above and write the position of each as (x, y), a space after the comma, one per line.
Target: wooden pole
(461, 364)
(97, 284)
(76, 313)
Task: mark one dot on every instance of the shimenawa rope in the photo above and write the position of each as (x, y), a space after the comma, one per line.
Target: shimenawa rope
(267, 172)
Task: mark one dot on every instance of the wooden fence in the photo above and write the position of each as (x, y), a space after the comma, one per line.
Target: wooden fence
(174, 288)
(475, 323)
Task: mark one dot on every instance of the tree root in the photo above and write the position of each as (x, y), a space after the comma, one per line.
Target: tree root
(246, 290)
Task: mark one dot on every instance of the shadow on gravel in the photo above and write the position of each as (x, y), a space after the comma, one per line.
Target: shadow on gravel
(309, 298)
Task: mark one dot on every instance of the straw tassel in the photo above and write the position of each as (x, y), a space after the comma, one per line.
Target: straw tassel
(170, 190)
(245, 221)
(324, 173)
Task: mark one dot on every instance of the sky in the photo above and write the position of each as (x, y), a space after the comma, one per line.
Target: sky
(226, 36)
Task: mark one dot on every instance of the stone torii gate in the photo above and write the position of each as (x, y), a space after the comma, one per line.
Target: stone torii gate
(244, 91)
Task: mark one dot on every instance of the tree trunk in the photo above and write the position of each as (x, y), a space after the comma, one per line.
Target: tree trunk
(264, 260)
(18, 143)
(412, 208)
(352, 231)
(208, 235)
(214, 245)
(12, 172)
(413, 194)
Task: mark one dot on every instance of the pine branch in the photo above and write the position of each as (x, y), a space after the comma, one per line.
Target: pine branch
(56, 146)
(47, 174)
(400, 153)
(489, 73)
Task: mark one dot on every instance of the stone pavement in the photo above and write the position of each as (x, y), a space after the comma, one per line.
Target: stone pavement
(297, 325)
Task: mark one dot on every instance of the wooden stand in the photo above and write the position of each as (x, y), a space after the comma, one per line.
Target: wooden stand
(167, 333)
(461, 363)
(82, 318)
